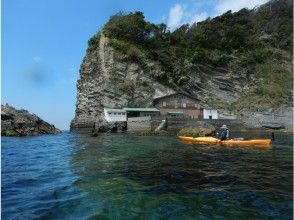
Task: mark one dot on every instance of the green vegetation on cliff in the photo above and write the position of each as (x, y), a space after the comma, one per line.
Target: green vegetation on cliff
(255, 42)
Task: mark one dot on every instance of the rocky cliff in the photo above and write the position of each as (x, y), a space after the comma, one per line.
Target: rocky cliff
(107, 79)
(21, 123)
(238, 63)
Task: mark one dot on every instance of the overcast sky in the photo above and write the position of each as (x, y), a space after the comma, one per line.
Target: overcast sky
(44, 42)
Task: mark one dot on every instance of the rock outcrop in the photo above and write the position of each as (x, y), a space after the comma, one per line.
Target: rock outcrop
(21, 123)
(107, 79)
(102, 125)
(128, 64)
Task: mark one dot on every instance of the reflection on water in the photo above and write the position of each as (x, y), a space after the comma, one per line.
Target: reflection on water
(122, 176)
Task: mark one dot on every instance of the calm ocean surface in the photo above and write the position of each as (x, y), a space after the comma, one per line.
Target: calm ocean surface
(123, 176)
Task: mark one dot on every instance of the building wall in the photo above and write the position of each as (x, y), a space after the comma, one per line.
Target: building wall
(176, 101)
(115, 116)
(207, 113)
(146, 114)
(188, 113)
(179, 103)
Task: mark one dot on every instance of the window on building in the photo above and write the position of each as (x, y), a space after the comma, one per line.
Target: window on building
(184, 105)
(109, 113)
(164, 104)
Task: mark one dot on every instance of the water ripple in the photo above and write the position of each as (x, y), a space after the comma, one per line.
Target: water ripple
(122, 176)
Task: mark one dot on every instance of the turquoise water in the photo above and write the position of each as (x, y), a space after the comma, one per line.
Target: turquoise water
(121, 176)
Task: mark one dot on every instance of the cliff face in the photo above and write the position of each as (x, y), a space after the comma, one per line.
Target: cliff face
(107, 79)
(21, 123)
(238, 63)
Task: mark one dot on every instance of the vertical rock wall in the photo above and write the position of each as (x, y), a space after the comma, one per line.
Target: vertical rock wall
(107, 79)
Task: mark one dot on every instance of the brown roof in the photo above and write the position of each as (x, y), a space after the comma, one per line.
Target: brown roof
(178, 93)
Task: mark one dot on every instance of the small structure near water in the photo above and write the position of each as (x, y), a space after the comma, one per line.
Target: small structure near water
(178, 105)
(141, 112)
(113, 115)
(210, 114)
(116, 115)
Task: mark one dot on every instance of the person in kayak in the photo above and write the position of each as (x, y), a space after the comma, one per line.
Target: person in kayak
(224, 134)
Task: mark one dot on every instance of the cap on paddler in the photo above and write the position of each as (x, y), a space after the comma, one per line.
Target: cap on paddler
(224, 127)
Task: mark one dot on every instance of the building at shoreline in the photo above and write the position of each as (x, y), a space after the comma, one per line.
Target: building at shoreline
(210, 114)
(142, 112)
(113, 115)
(176, 105)
(179, 105)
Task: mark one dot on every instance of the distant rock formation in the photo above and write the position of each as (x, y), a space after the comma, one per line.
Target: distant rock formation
(21, 123)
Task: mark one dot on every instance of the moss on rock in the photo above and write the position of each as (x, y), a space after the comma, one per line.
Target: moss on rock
(196, 132)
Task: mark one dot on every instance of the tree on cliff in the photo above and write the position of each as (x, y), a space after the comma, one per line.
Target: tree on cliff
(250, 41)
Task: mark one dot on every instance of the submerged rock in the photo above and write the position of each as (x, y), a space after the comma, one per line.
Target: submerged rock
(21, 123)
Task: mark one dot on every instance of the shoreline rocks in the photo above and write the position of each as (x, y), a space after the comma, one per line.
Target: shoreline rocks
(22, 123)
(102, 126)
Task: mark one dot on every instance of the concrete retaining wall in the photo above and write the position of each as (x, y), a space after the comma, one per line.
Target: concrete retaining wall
(146, 118)
(257, 119)
(139, 126)
(175, 124)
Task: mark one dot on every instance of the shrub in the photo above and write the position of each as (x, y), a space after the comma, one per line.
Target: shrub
(131, 51)
(93, 42)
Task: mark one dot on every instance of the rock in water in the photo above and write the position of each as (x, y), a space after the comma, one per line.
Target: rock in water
(21, 123)
(203, 129)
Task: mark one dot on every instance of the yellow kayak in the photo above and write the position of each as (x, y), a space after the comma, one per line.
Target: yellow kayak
(237, 141)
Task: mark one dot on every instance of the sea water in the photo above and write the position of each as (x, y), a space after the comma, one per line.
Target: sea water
(126, 176)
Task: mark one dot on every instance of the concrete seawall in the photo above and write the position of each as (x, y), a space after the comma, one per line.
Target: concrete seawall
(139, 124)
(175, 124)
(257, 119)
